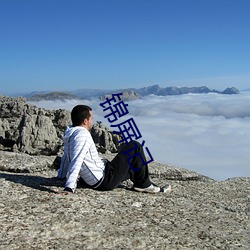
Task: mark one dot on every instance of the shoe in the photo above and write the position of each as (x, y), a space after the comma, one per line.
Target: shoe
(154, 189)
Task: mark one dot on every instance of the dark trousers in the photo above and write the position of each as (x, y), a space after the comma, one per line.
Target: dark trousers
(119, 168)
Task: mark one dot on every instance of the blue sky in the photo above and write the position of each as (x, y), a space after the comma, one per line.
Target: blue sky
(66, 45)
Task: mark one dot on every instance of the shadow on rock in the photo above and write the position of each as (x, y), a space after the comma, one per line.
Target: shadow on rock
(35, 182)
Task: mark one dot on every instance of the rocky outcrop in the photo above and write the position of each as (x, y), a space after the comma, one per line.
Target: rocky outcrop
(105, 140)
(32, 130)
(26, 128)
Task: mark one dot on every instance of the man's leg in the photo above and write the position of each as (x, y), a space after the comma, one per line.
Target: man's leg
(119, 168)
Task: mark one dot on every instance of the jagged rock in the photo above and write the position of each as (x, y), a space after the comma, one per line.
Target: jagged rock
(27, 128)
(105, 140)
(61, 119)
(37, 133)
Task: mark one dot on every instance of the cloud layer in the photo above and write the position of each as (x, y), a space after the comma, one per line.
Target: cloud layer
(207, 133)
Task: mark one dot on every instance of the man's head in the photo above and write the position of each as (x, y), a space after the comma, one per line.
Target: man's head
(81, 115)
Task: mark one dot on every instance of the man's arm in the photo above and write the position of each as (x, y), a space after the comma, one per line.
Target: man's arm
(78, 148)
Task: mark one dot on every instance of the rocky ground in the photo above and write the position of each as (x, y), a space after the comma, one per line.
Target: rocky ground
(199, 213)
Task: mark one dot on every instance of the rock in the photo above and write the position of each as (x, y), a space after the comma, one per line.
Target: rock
(105, 140)
(24, 163)
(29, 129)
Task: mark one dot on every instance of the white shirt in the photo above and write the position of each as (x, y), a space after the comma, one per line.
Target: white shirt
(80, 157)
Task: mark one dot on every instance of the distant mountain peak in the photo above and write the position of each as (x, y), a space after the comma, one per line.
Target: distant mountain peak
(53, 96)
(230, 91)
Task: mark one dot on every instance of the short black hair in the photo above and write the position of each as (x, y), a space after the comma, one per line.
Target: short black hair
(79, 113)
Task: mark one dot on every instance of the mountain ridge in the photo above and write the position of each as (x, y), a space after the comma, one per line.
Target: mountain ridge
(88, 93)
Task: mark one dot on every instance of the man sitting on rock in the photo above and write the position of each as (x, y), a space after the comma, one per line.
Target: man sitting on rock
(81, 158)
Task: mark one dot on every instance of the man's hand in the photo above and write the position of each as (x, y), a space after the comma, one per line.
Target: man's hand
(66, 191)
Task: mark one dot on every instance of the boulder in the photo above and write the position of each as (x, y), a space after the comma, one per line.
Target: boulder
(27, 128)
(32, 130)
(105, 140)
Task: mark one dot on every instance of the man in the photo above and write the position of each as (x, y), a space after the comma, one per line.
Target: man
(81, 158)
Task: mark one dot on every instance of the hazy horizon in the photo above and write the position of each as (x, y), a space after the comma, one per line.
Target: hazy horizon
(13, 94)
(206, 133)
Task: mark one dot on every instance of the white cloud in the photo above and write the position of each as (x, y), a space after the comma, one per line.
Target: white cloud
(208, 133)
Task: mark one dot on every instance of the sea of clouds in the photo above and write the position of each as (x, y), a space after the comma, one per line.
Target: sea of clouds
(207, 133)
